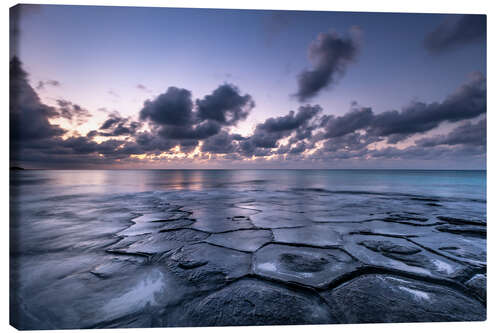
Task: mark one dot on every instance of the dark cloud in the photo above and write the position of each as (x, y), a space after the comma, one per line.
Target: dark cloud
(188, 146)
(150, 142)
(198, 132)
(291, 121)
(296, 125)
(116, 125)
(70, 111)
(173, 115)
(174, 107)
(29, 117)
(173, 120)
(222, 143)
(455, 31)
(466, 134)
(272, 130)
(427, 153)
(142, 87)
(225, 105)
(348, 123)
(330, 54)
(299, 148)
(468, 102)
(349, 142)
(110, 122)
(34, 140)
(42, 84)
(405, 156)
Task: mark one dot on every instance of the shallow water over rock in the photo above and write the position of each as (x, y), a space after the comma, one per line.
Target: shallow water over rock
(244, 252)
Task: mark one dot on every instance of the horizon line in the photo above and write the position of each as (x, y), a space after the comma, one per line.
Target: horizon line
(243, 169)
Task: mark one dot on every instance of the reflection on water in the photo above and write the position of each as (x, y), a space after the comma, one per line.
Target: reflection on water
(470, 184)
(143, 294)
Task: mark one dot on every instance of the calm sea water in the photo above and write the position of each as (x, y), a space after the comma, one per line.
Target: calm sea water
(65, 224)
(443, 183)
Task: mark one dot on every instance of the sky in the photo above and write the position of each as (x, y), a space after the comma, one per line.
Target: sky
(130, 87)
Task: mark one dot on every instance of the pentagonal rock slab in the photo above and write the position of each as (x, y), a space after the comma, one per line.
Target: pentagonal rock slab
(386, 299)
(161, 217)
(222, 219)
(470, 250)
(253, 302)
(160, 242)
(208, 266)
(313, 267)
(400, 254)
(316, 235)
(242, 240)
(280, 219)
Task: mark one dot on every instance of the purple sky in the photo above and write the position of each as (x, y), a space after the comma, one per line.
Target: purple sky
(118, 87)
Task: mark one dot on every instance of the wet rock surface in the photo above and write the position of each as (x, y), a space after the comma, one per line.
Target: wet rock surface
(478, 285)
(378, 298)
(308, 266)
(225, 257)
(254, 302)
(242, 240)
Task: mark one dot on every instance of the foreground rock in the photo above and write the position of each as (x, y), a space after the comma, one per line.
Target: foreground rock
(478, 285)
(386, 299)
(253, 302)
(208, 266)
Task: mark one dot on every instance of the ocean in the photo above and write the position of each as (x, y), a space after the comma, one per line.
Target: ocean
(147, 248)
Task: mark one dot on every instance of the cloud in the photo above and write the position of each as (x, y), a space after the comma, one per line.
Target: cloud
(225, 105)
(143, 88)
(174, 107)
(267, 134)
(70, 111)
(427, 153)
(330, 55)
(305, 136)
(468, 102)
(110, 122)
(198, 132)
(466, 134)
(348, 123)
(113, 93)
(173, 115)
(42, 84)
(148, 142)
(349, 142)
(291, 121)
(29, 117)
(222, 143)
(116, 125)
(455, 31)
